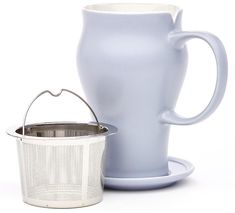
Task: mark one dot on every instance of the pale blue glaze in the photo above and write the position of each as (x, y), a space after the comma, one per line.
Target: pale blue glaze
(132, 67)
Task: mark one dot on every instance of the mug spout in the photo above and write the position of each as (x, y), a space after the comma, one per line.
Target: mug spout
(178, 19)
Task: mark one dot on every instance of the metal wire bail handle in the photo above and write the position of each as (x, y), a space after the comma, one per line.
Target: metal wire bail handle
(57, 95)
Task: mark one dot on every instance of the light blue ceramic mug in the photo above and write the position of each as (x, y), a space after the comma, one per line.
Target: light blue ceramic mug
(132, 60)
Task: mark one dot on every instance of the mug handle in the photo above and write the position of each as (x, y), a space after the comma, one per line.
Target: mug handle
(178, 39)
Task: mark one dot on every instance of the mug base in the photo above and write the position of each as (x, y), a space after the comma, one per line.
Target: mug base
(178, 170)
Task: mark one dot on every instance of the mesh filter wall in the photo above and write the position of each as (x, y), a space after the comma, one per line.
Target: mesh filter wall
(56, 172)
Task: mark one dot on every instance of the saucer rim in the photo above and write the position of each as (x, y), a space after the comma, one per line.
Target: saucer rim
(151, 182)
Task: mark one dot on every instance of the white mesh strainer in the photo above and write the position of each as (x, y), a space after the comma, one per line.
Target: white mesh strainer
(60, 162)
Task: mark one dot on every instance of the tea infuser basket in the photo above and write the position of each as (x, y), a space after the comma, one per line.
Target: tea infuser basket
(60, 162)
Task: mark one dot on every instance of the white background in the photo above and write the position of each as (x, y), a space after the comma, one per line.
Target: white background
(38, 41)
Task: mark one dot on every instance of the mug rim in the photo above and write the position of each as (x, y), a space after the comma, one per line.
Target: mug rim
(133, 8)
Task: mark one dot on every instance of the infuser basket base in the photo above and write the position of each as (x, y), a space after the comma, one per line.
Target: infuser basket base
(61, 204)
(178, 170)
